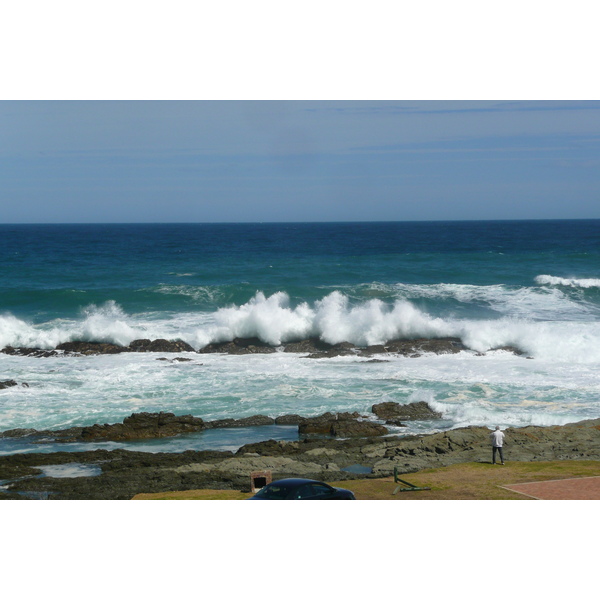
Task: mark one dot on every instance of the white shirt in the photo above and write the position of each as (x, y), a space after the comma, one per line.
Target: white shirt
(497, 438)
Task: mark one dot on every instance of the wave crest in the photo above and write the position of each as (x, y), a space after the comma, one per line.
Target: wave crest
(333, 319)
(569, 282)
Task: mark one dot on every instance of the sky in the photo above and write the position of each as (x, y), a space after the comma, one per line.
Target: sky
(272, 161)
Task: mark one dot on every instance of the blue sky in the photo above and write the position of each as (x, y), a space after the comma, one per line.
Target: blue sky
(240, 161)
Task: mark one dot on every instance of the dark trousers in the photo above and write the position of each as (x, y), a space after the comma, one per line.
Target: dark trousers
(499, 450)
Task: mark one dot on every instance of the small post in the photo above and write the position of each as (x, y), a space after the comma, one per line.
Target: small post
(258, 480)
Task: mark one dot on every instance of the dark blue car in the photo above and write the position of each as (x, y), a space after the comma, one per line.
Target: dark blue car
(301, 489)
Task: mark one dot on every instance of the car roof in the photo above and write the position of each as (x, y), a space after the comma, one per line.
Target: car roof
(294, 481)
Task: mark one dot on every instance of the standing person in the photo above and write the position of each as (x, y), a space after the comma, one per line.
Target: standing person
(497, 443)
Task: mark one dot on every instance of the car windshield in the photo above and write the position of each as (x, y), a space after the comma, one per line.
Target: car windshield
(274, 492)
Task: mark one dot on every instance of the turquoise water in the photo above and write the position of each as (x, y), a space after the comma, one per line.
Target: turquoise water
(533, 284)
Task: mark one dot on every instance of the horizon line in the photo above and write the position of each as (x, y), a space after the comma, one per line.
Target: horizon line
(301, 222)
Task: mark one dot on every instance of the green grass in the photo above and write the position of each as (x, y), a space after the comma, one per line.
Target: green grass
(464, 481)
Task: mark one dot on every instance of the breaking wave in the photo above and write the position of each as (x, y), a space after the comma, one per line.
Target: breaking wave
(545, 303)
(334, 319)
(569, 282)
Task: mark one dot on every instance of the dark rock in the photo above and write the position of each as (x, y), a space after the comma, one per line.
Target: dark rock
(341, 349)
(270, 448)
(311, 345)
(7, 383)
(393, 412)
(323, 423)
(34, 352)
(318, 349)
(420, 346)
(253, 421)
(239, 346)
(144, 426)
(159, 345)
(370, 350)
(17, 433)
(289, 420)
(357, 429)
(90, 348)
(375, 360)
(80, 348)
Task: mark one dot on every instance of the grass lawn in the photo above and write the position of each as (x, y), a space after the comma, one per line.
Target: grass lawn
(464, 481)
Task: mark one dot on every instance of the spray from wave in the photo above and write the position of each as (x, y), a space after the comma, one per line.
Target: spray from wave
(333, 319)
(106, 323)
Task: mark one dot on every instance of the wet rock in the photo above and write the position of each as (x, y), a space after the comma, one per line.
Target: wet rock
(417, 347)
(81, 348)
(159, 345)
(144, 426)
(7, 383)
(33, 352)
(341, 349)
(90, 348)
(375, 360)
(239, 346)
(253, 421)
(289, 420)
(371, 350)
(322, 424)
(394, 413)
(309, 346)
(17, 433)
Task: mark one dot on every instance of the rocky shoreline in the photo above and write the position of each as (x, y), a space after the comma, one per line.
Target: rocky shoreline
(140, 426)
(313, 348)
(324, 453)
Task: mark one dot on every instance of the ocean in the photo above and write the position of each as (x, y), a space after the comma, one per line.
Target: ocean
(534, 285)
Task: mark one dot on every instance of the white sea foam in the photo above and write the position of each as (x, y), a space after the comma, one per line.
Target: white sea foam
(513, 301)
(106, 323)
(495, 389)
(198, 293)
(566, 281)
(269, 318)
(334, 319)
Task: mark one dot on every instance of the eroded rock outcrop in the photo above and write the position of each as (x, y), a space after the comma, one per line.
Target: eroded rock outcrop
(144, 426)
(311, 347)
(159, 345)
(253, 421)
(341, 425)
(82, 348)
(394, 413)
(126, 473)
(163, 424)
(239, 346)
(7, 383)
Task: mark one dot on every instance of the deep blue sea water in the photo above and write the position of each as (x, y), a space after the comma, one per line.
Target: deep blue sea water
(533, 284)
